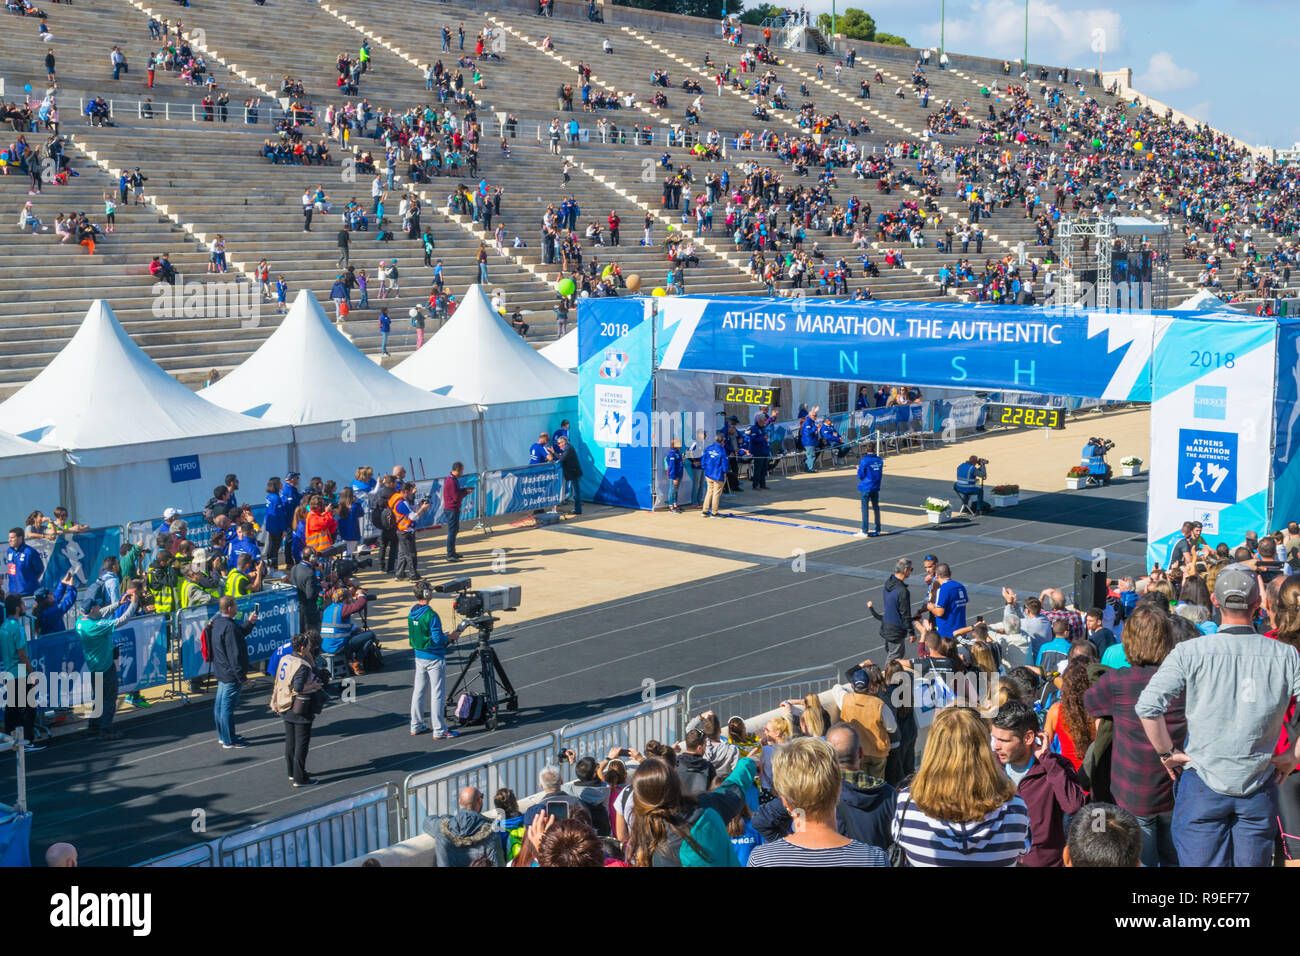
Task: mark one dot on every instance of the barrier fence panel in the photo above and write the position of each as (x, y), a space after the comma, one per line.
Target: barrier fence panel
(749, 696)
(656, 719)
(202, 854)
(434, 791)
(324, 835)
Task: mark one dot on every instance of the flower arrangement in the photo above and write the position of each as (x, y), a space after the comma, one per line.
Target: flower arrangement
(1006, 491)
(1132, 461)
(1078, 471)
(938, 504)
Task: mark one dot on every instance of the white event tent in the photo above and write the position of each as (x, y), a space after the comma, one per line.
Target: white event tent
(137, 440)
(563, 352)
(345, 410)
(1206, 301)
(30, 476)
(477, 358)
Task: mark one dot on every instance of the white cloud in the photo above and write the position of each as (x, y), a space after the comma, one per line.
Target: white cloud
(1061, 37)
(1163, 75)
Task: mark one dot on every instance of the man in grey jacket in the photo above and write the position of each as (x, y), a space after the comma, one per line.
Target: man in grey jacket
(467, 835)
(1238, 685)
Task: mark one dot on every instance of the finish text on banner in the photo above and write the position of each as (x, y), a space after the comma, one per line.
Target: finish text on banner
(141, 645)
(277, 622)
(523, 489)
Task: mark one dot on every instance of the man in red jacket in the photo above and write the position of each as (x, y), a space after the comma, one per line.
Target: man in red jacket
(452, 496)
(1045, 781)
(614, 223)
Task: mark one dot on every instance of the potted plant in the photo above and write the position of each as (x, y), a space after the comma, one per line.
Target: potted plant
(1075, 477)
(1132, 466)
(937, 510)
(1006, 496)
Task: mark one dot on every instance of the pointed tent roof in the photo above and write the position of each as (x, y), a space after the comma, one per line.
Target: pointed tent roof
(564, 351)
(477, 358)
(20, 457)
(308, 372)
(1205, 301)
(103, 392)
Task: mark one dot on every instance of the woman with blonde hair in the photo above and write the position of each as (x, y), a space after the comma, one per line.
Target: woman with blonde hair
(672, 828)
(962, 808)
(777, 731)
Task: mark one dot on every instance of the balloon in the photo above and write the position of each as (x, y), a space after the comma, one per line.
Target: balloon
(671, 227)
(634, 283)
(27, 88)
(584, 294)
(1096, 144)
(413, 313)
(565, 287)
(1137, 145)
(659, 292)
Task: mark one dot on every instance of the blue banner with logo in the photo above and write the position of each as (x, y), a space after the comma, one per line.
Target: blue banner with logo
(1286, 417)
(82, 554)
(60, 661)
(615, 386)
(436, 516)
(277, 622)
(185, 468)
(522, 489)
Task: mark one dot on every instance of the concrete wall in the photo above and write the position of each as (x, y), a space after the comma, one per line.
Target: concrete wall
(619, 16)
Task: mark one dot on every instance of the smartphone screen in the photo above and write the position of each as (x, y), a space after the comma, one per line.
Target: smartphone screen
(557, 809)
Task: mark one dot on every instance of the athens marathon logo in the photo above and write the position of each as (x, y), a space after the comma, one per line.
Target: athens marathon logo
(614, 364)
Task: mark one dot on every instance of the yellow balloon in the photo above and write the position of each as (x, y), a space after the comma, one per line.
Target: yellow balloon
(1138, 146)
(659, 292)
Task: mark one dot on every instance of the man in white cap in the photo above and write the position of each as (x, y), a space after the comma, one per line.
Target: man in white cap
(1238, 685)
(169, 515)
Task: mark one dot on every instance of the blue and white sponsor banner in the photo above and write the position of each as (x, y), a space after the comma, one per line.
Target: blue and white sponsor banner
(1286, 418)
(436, 516)
(277, 622)
(522, 489)
(141, 661)
(1096, 354)
(1212, 402)
(615, 384)
(82, 553)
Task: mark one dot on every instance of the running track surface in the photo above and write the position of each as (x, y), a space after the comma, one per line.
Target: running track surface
(129, 800)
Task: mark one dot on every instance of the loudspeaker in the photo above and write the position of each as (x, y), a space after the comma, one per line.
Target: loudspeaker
(1089, 583)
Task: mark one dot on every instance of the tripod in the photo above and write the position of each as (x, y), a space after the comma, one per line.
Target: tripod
(497, 689)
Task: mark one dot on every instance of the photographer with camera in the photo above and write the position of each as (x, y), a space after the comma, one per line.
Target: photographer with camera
(339, 635)
(424, 631)
(1093, 457)
(969, 475)
(405, 514)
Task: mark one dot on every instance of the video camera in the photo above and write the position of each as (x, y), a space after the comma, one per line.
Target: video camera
(982, 462)
(476, 604)
(1103, 444)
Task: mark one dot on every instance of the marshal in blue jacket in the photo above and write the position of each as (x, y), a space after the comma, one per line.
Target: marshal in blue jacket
(715, 462)
(871, 469)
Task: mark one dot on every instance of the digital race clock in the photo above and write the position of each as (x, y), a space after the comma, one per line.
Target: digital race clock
(746, 395)
(1029, 415)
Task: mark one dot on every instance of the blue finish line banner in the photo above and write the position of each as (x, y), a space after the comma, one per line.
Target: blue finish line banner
(82, 553)
(1088, 354)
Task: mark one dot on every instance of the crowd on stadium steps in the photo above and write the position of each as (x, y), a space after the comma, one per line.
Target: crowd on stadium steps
(1104, 737)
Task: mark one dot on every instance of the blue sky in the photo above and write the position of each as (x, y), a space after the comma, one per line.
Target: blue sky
(1223, 63)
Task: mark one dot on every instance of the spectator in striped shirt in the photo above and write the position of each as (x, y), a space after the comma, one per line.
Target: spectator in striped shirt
(807, 779)
(962, 808)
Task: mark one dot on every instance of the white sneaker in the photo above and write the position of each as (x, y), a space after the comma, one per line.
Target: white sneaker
(859, 534)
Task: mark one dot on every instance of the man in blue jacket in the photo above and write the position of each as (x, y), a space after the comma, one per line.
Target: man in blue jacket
(23, 565)
(714, 464)
(808, 438)
(871, 470)
(50, 608)
(760, 449)
(290, 496)
(966, 484)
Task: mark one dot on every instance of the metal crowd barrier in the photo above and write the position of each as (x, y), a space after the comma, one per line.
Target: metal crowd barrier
(202, 855)
(434, 791)
(656, 719)
(739, 697)
(324, 835)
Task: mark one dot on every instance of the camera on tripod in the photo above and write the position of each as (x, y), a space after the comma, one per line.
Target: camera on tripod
(477, 604)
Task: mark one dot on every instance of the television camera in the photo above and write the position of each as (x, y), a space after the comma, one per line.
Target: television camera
(475, 607)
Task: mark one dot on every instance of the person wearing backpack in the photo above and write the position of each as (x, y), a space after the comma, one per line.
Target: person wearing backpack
(381, 516)
(297, 696)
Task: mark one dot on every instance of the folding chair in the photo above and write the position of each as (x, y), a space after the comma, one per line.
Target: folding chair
(888, 433)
